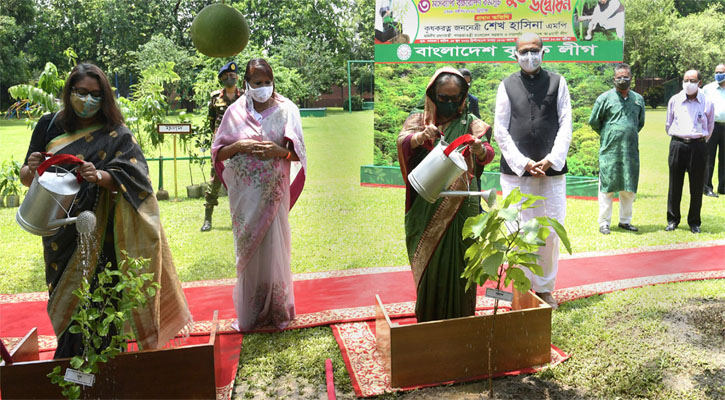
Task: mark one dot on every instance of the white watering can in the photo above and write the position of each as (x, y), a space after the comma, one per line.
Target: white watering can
(440, 168)
(47, 205)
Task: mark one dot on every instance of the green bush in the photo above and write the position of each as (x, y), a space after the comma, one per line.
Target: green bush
(654, 96)
(356, 101)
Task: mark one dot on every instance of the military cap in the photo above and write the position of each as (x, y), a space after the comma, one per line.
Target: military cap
(231, 66)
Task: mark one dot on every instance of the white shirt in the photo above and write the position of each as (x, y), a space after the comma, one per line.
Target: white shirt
(502, 121)
(690, 119)
(716, 94)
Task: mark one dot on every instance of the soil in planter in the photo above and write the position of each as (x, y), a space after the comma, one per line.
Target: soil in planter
(193, 191)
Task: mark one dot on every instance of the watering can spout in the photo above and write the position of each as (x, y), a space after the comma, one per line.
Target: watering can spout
(61, 222)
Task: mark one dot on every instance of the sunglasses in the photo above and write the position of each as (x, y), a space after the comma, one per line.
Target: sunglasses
(84, 92)
(448, 99)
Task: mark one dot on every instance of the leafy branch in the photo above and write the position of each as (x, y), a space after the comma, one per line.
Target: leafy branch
(105, 306)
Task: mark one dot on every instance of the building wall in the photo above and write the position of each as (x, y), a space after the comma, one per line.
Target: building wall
(337, 96)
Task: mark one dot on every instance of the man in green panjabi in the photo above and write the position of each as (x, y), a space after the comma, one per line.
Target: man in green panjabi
(618, 116)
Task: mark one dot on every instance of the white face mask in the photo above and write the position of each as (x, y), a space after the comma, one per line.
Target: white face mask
(689, 87)
(530, 61)
(260, 94)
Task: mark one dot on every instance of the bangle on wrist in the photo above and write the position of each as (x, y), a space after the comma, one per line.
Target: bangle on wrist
(289, 154)
(99, 176)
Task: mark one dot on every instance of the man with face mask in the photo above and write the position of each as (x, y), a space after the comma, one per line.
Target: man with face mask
(220, 100)
(618, 116)
(533, 129)
(715, 91)
(690, 120)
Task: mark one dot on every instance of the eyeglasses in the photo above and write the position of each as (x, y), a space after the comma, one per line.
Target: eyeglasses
(622, 78)
(690, 80)
(448, 99)
(532, 51)
(84, 92)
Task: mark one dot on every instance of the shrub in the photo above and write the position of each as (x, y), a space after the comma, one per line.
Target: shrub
(654, 96)
(356, 101)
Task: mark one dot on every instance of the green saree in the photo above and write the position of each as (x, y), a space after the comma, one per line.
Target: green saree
(433, 231)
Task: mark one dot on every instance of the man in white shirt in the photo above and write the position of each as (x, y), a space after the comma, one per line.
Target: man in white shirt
(533, 130)
(715, 92)
(690, 120)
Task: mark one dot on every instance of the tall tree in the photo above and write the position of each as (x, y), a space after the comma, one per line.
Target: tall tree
(15, 16)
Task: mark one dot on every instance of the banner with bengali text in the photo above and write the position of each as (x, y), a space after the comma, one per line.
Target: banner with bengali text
(414, 31)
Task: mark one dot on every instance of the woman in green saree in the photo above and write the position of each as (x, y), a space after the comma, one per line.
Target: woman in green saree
(117, 188)
(434, 231)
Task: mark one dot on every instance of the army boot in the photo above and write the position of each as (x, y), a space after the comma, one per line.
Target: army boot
(206, 226)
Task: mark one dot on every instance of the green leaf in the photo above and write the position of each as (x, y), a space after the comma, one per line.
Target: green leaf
(474, 226)
(513, 198)
(474, 251)
(561, 232)
(492, 263)
(531, 200)
(74, 329)
(535, 268)
(76, 362)
(510, 213)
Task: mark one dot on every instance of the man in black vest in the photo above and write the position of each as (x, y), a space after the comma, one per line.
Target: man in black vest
(533, 130)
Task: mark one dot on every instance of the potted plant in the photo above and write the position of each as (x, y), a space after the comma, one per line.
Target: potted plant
(10, 183)
(503, 246)
(106, 308)
(192, 191)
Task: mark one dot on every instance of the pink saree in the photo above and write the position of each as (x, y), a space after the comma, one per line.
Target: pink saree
(261, 193)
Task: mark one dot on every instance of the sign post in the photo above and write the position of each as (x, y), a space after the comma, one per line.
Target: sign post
(174, 129)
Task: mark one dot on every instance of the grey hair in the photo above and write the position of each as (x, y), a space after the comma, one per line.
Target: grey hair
(444, 78)
(622, 66)
(527, 36)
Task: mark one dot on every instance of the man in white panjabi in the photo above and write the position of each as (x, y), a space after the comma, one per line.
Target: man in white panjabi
(533, 130)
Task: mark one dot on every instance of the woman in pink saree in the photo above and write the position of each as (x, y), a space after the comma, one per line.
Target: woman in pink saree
(258, 140)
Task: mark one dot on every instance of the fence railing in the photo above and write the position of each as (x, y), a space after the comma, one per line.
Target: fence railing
(161, 164)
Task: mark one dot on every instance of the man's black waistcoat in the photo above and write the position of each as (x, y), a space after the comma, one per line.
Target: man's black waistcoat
(534, 117)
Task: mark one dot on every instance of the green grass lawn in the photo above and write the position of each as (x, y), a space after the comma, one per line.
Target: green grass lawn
(337, 224)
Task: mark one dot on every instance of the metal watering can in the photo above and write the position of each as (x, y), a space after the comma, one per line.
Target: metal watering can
(440, 168)
(47, 205)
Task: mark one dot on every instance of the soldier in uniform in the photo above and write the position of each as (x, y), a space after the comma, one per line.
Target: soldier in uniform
(220, 100)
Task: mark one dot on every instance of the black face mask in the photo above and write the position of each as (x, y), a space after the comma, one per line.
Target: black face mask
(447, 109)
(622, 84)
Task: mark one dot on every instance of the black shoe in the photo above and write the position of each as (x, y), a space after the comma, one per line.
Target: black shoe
(604, 229)
(710, 193)
(695, 229)
(671, 227)
(628, 227)
(206, 226)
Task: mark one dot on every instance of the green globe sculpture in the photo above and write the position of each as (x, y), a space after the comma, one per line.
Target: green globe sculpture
(219, 31)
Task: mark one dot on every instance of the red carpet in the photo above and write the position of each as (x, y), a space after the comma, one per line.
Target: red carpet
(348, 296)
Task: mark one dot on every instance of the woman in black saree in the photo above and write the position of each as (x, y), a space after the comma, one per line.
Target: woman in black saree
(117, 188)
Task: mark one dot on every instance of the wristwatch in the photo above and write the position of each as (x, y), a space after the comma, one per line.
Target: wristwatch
(98, 175)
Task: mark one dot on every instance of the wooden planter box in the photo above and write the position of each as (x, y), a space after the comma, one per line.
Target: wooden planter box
(174, 373)
(457, 349)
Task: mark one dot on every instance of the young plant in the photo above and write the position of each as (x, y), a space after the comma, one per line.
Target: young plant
(10, 178)
(503, 245)
(104, 310)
